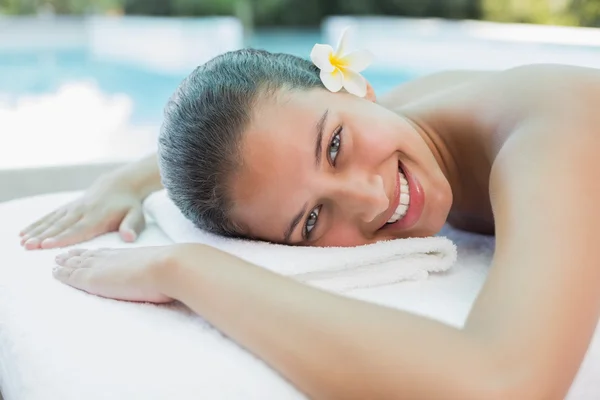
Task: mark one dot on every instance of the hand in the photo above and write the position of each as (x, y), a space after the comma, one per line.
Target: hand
(110, 204)
(123, 274)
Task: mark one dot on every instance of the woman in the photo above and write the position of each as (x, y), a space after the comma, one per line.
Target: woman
(253, 145)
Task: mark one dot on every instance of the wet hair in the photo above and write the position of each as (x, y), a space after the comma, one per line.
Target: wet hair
(199, 148)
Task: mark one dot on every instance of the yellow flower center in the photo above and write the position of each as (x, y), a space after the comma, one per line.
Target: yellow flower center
(337, 62)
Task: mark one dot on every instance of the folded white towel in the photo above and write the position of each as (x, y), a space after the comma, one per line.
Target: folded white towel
(333, 268)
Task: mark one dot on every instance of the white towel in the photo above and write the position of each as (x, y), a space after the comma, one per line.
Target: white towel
(333, 268)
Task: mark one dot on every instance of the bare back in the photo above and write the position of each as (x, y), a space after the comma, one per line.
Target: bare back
(477, 112)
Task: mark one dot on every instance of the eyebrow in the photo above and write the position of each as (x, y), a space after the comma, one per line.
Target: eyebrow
(318, 150)
(319, 138)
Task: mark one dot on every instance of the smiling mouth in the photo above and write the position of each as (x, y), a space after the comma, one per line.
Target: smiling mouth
(404, 199)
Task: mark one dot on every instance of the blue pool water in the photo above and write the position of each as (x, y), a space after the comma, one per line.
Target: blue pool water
(40, 72)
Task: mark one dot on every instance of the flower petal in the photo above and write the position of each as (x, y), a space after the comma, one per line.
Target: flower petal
(358, 60)
(354, 83)
(320, 57)
(341, 47)
(332, 80)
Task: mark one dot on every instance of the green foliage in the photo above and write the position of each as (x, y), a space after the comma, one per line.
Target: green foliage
(214, 7)
(585, 12)
(58, 6)
(557, 12)
(312, 12)
(17, 6)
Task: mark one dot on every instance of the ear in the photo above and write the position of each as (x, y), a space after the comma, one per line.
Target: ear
(370, 93)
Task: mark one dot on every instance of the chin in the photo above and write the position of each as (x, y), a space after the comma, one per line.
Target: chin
(433, 226)
(435, 216)
(428, 228)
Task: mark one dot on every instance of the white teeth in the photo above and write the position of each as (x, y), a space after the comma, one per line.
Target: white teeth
(404, 200)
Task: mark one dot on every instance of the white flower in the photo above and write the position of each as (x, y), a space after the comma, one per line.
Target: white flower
(342, 70)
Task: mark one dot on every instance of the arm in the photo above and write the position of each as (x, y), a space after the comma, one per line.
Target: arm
(143, 175)
(541, 302)
(113, 202)
(330, 347)
(525, 337)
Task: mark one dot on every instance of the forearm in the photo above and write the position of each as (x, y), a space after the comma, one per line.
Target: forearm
(142, 175)
(327, 345)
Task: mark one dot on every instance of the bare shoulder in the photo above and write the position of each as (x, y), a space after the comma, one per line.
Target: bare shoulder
(544, 111)
(419, 88)
(551, 95)
(540, 88)
(549, 77)
(525, 116)
(544, 193)
(551, 135)
(545, 282)
(545, 71)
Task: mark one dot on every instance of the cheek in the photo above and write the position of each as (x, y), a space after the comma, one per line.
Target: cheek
(342, 236)
(378, 138)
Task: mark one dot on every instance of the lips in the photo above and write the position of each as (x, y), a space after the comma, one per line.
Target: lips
(415, 209)
(395, 200)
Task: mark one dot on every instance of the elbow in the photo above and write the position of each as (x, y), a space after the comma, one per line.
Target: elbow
(523, 381)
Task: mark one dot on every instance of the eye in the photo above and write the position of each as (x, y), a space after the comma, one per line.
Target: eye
(335, 145)
(311, 222)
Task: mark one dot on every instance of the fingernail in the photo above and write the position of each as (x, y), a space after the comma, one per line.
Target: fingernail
(24, 239)
(31, 243)
(129, 235)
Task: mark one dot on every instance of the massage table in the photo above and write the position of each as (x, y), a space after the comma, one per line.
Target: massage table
(60, 343)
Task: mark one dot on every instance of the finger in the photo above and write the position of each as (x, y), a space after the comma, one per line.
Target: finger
(73, 276)
(34, 224)
(43, 226)
(84, 253)
(132, 225)
(83, 230)
(80, 255)
(91, 252)
(70, 253)
(62, 273)
(69, 261)
(47, 237)
(40, 225)
(31, 244)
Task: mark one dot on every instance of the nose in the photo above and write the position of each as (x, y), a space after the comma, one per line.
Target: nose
(361, 196)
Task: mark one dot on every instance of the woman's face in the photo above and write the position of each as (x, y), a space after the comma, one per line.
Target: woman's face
(332, 169)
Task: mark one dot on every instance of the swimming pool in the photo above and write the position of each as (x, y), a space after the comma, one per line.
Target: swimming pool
(76, 91)
(31, 73)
